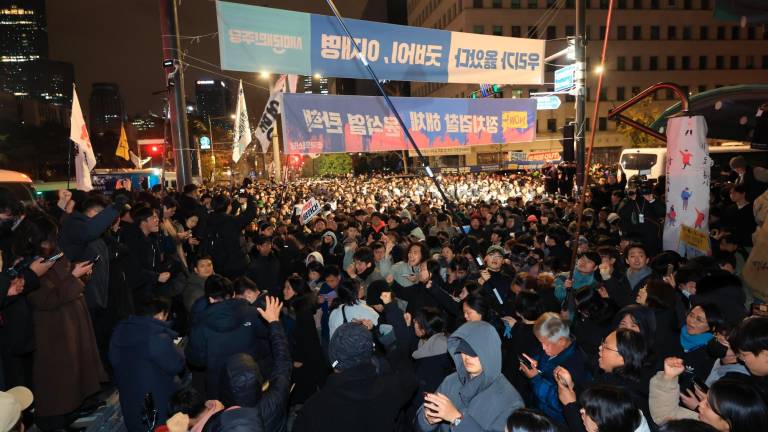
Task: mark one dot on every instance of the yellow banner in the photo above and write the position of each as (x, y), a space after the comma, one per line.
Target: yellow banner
(694, 238)
(514, 120)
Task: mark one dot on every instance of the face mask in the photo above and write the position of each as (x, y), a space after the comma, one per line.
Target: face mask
(715, 349)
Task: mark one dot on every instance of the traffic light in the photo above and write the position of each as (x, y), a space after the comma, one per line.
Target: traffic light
(154, 150)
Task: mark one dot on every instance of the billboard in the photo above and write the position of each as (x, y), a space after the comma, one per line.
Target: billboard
(256, 39)
(344, 124)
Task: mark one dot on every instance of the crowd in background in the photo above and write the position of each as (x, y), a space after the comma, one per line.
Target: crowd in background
(389, 310)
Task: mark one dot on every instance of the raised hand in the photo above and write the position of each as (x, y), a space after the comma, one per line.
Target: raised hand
(272, 312)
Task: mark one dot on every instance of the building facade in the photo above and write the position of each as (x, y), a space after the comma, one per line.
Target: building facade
(25, 69)
(105, 109)
(650, 41)
(215, 99)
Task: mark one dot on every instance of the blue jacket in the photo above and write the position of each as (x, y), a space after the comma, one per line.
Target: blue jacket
(145, 360)
(544, 386)
(221, 330)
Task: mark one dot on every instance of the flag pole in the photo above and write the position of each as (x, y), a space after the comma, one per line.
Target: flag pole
(69, 162)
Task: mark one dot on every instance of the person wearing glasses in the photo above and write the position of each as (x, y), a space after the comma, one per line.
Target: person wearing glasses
(622, 362)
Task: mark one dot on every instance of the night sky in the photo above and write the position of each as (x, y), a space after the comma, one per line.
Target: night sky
(119, 41)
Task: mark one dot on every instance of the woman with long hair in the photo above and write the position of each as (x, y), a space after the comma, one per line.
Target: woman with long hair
(67, 368)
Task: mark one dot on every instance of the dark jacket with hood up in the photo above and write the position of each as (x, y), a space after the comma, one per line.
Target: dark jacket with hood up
(241, 384)
(145, 360)
(360, 398)
(485, 401)
(220, 331)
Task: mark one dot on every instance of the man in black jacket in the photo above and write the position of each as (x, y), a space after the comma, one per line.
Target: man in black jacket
(146, 258)
(222, 241)
(261, 410)
(265, 267)
(355, 397)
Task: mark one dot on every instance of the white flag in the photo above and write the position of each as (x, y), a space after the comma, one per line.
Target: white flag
(137, 162)
(242, 127)
(85, 160)
(267, 120)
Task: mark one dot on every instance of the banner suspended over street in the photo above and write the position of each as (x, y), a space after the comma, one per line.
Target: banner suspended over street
(339, 124)
(256, 39)
(686, 225)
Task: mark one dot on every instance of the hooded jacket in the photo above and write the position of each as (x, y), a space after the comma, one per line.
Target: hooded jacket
(485, 401)
(145, 360)
(220, 331)
(241, 385)
(359, 398)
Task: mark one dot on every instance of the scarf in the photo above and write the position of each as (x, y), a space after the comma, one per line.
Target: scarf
(634, 278)
(691, 342)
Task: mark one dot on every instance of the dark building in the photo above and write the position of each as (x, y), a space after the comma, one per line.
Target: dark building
(105, 109)
(315, 84)
(215, 99)
(25, 69)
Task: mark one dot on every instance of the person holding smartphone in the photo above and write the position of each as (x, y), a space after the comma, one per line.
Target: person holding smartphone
(477, 396)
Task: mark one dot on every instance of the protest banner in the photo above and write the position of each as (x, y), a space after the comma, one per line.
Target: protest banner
(309, 210)
(337, 124)
(256, 39)
(688, 168)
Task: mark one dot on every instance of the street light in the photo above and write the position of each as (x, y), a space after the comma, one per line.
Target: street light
(599, 69)
(264, 74)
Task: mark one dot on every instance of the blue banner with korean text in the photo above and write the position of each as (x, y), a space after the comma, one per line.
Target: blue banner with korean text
(257, 39)
(338, 124)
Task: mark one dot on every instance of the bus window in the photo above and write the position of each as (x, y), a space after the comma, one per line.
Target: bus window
(638, 161)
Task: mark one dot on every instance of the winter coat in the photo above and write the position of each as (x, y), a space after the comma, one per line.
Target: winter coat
(305, 348)
(64, 376)
(222, 241)
(220, 331)
(432, 364)
(194, 290)
(262, 411)
(359, 398)
(145, 259)
(664, 400)
(265, 271)
(521, 341)
(347, 313)
(544, 386)
(80, 241)
(485, 401)
(145, 360)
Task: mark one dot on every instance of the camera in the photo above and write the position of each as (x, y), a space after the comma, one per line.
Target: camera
(641, 184)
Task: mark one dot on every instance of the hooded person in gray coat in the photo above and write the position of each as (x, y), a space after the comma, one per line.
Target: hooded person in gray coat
(477, 397)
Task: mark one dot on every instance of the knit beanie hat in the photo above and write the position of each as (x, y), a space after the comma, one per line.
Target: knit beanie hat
(351, 345)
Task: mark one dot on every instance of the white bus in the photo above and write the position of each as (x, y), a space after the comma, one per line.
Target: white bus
(650, 162)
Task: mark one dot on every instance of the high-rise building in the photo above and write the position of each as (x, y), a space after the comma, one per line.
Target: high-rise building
(215, 99)
(315, 84)
(650, 41)
(25, 69)
(105, 109)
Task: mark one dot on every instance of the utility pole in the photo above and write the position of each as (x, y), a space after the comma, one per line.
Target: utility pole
(581, 89)
(177, 112)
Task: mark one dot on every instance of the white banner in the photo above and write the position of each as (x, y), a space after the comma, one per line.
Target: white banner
(267, 120)
(85, 160)
(688, 174)
(242, 127)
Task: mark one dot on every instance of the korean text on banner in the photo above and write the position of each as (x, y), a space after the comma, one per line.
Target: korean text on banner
(339, 124)
(688, 175)
(694, 238)
(266, 125)
(310, 209)
(255, 39)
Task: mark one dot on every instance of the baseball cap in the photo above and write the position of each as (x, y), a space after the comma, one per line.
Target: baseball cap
(495, 249)
(12, 403)
(613, 217)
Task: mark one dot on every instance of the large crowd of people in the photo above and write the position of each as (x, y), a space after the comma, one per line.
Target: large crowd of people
(390, 309)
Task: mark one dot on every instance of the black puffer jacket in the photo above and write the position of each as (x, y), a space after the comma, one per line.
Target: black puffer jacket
(262, 411)
(222, 241)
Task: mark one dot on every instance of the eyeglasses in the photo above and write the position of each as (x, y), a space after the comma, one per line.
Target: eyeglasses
(698, 318)
(604, 346)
